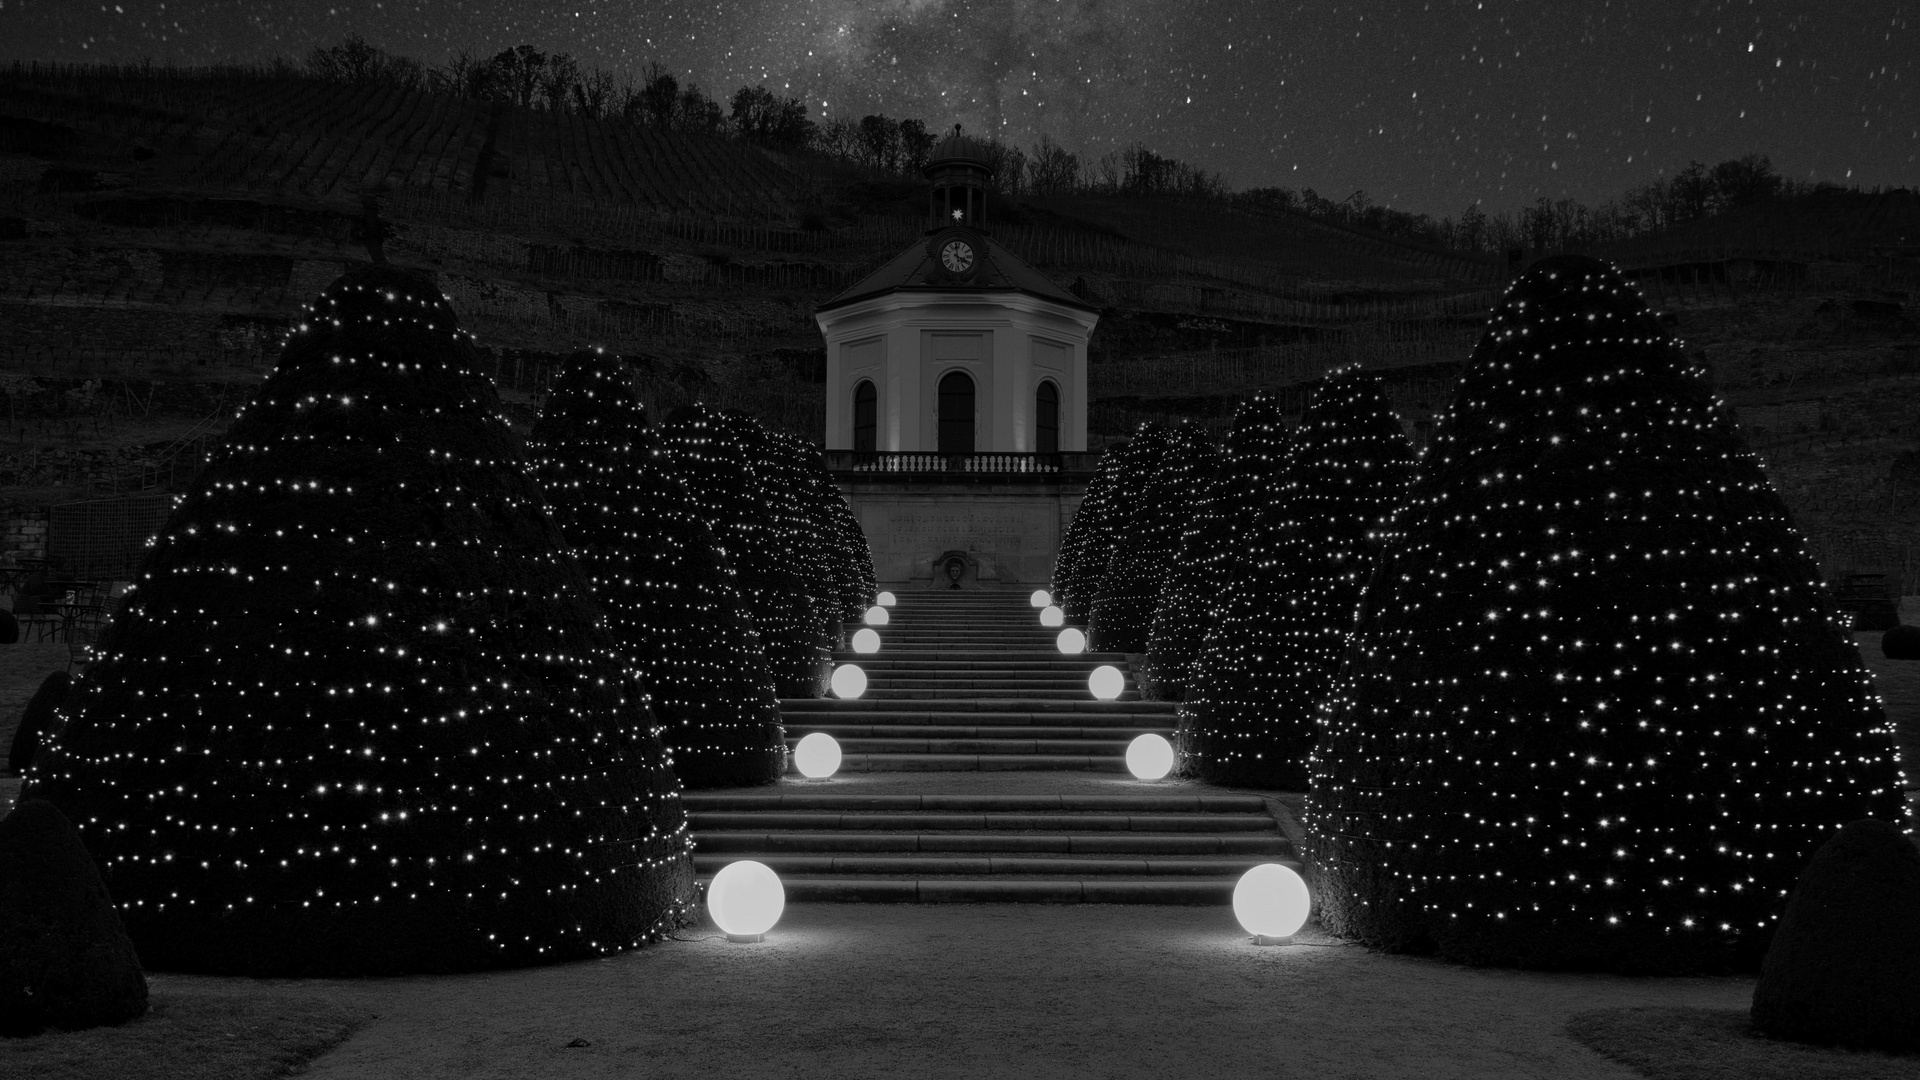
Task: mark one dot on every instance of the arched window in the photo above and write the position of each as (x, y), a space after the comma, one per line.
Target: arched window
(865, 422)
(956, 413)
(1046, 418)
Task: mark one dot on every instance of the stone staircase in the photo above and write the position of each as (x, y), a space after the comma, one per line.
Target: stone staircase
(967, 681)
(971, 682)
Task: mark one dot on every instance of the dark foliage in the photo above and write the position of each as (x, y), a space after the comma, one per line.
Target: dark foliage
(1841, 967)
(1901, 643)
(1189, 601)
(669, 597)
(9, 628)
(37, 721)
(1073, 567)
(1113, 624)
(359, 714)
(65, 961)
(718, 458)
(849, 558)
(1598, 707)
(1143, 555)
(1288, 609)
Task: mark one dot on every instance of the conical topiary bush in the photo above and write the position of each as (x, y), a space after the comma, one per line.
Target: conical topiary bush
(1143, 553)
(1599, 709)
(1289, 606)
(1841, 966)
(1086, 534)
(1189, 603)
(1112, 622)
(849, 557)
(65, 961)
(670, 600)
(359, 714)
(718, 458)
(37, 720)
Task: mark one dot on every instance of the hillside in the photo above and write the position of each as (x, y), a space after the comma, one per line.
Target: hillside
(162, 229)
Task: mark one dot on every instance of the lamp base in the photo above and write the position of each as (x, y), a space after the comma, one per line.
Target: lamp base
(1272, 939)
(746, 937)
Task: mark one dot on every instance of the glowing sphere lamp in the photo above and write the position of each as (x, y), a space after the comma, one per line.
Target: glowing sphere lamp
(849, 681)
(1040, 598)
(1149, 757)
(885, 599)
(1106, 682)
(745, 899)
(876, 616)
(817, 756)
(1072, 640)
(1052, 616)
(865, 640)
(1271, 903)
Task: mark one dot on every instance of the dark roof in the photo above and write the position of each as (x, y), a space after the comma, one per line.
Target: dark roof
(1000, 271)
(958, 147)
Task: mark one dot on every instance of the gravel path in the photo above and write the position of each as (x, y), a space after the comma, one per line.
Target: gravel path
(884, 990)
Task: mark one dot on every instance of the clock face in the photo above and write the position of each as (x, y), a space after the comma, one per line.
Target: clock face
(957, 256)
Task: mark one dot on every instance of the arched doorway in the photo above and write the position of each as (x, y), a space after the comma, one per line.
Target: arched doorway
(956, 413)
(1046, 418)
(865, 419)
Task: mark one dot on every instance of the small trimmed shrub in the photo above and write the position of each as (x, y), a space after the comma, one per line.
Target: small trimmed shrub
(65, 960)
(1842, 965)
(1901, 643)
(36, 723)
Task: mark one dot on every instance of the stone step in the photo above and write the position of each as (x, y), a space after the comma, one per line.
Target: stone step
(846, 734)
(1071, 745)
(878, 691)
(1008, 890)
(702, 821)
(1034, 682)
(1142, 802)
(937, 864)
(1086, 704)
(1015, 664)
(999, 842)
(925, 762)
(1034, 639)
(827, 719)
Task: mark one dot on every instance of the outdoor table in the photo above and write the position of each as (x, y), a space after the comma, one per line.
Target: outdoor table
(70, 611)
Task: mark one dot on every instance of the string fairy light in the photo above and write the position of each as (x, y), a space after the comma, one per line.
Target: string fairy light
(1599, 710)
(669, 596)
(1287, 610)
(1109, 625)
(1086, 534)
(1248, 471)
(359, 714)
(749, 496)
(1144, 550)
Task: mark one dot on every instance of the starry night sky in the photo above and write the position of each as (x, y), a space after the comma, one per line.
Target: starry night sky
(1426, 106)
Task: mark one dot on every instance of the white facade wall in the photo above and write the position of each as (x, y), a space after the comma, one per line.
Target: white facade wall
(905, 342)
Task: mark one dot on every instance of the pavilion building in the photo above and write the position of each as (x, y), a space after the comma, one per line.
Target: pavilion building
(957, 397)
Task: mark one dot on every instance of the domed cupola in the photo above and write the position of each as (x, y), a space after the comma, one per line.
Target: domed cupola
(961, 173)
